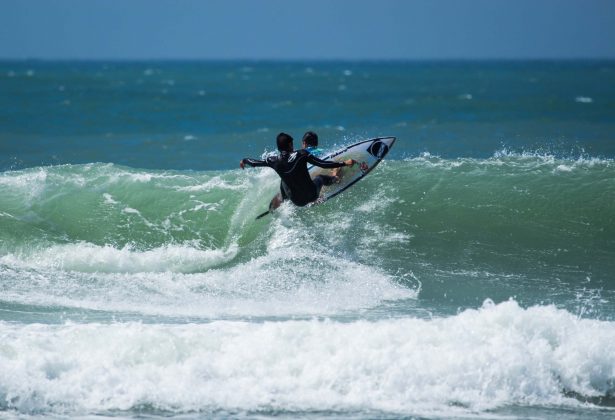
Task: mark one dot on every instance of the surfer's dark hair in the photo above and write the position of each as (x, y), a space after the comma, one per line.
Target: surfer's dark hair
(284, 142)
(310, 138)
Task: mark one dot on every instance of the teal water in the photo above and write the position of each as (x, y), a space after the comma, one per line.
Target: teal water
(199, 116)
(470, 275)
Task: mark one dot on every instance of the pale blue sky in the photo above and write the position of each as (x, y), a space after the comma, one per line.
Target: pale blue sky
(307, 29)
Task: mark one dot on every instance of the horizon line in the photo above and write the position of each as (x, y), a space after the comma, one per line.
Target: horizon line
(304, 60)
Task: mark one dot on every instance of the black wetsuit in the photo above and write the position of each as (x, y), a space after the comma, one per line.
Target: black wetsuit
(296, 182)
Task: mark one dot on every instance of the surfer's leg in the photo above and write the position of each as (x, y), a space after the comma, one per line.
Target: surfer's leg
(327, 180)
(318, 182)
(336, 174)
(322, 180)
(278, 199)
(275, 202)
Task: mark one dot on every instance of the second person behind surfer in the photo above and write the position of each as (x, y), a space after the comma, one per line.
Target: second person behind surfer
(291, 166)
(310, 143)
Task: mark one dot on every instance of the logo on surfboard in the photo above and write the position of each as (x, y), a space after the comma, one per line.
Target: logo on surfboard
(378, 149)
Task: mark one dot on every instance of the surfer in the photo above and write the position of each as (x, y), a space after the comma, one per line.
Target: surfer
(310, 143)
(291, 166)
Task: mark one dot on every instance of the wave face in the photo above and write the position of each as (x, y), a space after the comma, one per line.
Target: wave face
(534, 227)
(434, 287)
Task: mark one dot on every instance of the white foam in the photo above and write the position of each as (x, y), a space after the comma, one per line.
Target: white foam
(476, 361)
(35, 180)
(4, 214)
(377, 202)
(138, 177)
(217, 182)
(87, 257)
(115, 175)
(380, 237)
(563, 168)
(583, 99)
(547, 159)
(130, 210)
(507, 158)
(30, 184)
(202, 206)
(109, 199)
(20, 179)
(183, 281)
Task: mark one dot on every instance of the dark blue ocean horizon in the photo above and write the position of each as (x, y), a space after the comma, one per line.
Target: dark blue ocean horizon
(202, 115)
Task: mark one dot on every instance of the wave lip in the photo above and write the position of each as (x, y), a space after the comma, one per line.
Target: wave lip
(90, 258)
(478, 360)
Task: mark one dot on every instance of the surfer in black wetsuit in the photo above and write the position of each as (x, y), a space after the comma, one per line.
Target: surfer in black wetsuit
(291, 166)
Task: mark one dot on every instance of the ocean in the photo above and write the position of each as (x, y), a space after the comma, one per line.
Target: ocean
(470, 275)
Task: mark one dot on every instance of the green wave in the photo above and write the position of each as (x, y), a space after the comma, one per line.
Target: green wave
(507, 210)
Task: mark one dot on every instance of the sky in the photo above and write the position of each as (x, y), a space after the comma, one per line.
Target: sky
(307, 29)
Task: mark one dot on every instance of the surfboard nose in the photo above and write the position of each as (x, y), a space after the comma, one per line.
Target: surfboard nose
(388, 141)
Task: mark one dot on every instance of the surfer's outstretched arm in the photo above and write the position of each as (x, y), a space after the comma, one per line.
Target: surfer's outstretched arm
(252, 162)
(327, 164)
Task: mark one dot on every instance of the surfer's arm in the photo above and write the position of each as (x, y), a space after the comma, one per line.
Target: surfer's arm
(252, 162)
(329, 164)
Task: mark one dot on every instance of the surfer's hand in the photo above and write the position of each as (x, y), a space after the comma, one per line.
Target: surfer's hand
(350, 162)
(241, 164)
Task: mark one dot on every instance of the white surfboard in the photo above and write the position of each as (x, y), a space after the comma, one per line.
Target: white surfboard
(367, 153)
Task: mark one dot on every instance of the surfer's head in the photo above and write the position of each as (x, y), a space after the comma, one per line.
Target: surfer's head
(285, 142)
(310, 139)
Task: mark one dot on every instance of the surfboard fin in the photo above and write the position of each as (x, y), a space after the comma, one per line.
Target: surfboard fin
(262, 214)
(274, 204)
